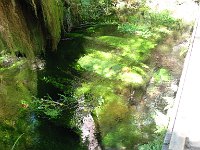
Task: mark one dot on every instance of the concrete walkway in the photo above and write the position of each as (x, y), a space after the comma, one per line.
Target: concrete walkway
(184, 128)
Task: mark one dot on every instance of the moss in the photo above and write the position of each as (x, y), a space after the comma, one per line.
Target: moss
(117, 125)
(53, 17)
(133, 48)
(15, 33)
(119, 58)
(111, 66)
(16, 85)
(21, 25)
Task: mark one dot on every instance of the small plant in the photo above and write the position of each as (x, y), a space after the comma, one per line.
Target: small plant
(150, 24)
(162, 75)
(47, 107)
(156, 144)
(163, 19)
(143, 31)
(13, 147)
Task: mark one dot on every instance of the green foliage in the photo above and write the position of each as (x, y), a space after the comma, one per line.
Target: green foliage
(115, 65)
(162, 75)
(123, 63)
(67, 86)
(155, 144)
(60, 83)
(60, 110)
(46, 107)
(135, 49)
(144, 31)
(93, 10)
(97, 62)
(149, 24)
(17, 85)
(13, 147)
(14, 131)
(51, 108)
(162, 19)
(89, 11)
(100, 89)
(112, 113)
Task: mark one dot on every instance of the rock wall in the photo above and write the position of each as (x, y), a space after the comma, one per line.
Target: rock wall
(26, 26)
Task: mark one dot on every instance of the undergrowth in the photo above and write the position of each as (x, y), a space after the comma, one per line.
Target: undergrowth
(117, 69)
(155, 144)
(116, 72)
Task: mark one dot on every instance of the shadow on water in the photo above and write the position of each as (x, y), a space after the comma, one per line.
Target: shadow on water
(51, 137)
(59, 66)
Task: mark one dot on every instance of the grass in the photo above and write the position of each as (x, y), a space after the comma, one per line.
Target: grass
(14, 145)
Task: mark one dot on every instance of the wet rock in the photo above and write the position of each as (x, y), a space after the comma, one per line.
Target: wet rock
(89, 132)
(87, 125)
(7, 61)
(38, 64)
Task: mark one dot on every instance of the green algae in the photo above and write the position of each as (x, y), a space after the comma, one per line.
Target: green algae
(122, 60)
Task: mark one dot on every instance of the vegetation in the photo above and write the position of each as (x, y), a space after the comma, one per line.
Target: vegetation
(156, 144)
(116, 71)
(118, 42)
(15, 35)
(117, 68)
(162, 75)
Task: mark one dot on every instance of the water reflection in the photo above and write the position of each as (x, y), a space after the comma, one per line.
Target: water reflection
(17, 84)
(19, 127)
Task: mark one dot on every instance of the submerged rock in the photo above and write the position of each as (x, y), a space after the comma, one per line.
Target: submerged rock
(87, 126)
(88, 133)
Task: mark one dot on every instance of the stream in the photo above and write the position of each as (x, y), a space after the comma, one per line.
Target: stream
(17, 86)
